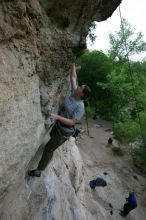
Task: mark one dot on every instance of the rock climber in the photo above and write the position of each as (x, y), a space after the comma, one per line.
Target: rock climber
(69, 114)
(129, 205)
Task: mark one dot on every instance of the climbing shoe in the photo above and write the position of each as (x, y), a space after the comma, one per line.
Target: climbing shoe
(121, 213)
(35, 173)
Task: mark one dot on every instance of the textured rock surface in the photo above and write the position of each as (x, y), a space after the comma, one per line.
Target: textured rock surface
(38, 42)
(59, 194)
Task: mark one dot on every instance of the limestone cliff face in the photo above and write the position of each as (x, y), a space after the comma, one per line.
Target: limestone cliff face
(38, 42)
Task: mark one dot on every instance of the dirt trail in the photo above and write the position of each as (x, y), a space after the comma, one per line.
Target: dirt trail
(119, 172)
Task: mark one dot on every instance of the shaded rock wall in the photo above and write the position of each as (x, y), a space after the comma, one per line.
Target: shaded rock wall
(38, 42)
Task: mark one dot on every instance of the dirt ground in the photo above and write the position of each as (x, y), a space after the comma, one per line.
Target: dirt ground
(119, 172)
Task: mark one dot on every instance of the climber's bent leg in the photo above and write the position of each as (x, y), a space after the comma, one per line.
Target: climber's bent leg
(55, 141)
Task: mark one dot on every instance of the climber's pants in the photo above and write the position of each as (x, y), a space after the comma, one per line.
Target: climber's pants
(55, 141)
(127, 208)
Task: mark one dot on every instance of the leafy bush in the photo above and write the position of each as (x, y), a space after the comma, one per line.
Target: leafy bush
(104, 109)
(142, 117)
(140, 155)
(127, 132)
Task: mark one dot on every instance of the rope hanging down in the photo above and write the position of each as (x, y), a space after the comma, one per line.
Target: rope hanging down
(130, 74)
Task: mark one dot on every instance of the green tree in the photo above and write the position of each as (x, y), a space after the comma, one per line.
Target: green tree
(125, 84)
(126, 35)
(95, 66)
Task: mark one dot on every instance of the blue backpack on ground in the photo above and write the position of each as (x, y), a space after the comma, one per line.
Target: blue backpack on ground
(97, 182)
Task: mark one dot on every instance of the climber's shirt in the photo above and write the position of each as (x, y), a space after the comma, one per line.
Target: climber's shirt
(72, 109)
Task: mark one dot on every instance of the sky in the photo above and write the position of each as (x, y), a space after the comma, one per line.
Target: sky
(134, 11)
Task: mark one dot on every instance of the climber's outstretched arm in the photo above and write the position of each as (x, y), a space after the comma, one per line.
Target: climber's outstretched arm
(73, 78)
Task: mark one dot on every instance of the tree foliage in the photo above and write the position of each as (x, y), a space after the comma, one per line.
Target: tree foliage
(125, 42)
(94, 68)
(127, 132)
